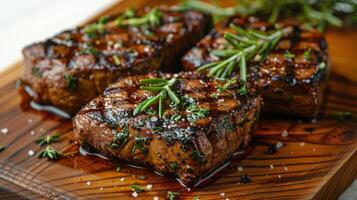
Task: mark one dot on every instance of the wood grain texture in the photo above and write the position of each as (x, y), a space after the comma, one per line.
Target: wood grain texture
(317, 160)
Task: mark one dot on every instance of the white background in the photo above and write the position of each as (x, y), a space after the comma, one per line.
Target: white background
(25, 21)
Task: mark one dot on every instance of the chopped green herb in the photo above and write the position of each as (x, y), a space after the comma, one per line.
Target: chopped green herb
(71, 82)
(172, 195)
(225, 125)
(50, 153)
(289, 55)
(223, 88)
(307, 55)
(199, 156)
(36, 72)
(136, 187)
(243, 90)
(195, 198)
(120, 138)
(139, 144)
(157, 128)
(116, 59)
(92, 30)
(164, 88)
(48, 139)
(342, 116)
(174, 165)
(244, 46)
(152, 18)
(175, 117)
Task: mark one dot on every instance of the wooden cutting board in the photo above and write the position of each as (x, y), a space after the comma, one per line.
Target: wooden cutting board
(318, 159)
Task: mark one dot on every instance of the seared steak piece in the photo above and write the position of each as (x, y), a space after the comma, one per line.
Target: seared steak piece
(292, 78)
(71, 68)
(188, 141)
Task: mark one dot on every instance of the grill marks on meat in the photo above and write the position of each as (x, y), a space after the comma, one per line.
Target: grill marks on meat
(91, 63)
(183, 148)
(292, 86)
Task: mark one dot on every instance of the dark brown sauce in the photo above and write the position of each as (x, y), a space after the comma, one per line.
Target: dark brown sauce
(138, 168)
(43, 108)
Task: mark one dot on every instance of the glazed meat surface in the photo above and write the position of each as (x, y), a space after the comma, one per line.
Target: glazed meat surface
(292, 78)
(71, 68)
(181, 143)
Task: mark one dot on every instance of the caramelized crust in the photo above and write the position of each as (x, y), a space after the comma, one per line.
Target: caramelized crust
(73, 67)
(292, 86)
(184, 148)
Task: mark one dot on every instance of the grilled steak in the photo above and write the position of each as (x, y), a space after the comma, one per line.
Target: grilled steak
(183, 142)
(71, 68)
(291, 84)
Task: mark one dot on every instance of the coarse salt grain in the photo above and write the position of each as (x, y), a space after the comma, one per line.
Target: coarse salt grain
(122, 179)
(31, 152)
(149, 187)
(156, 198)
(222, 194)
(240, 168)
(286, 168)
(4, 130)
(302, 144)
(29, 120)
(32, 132)
(279, 145)
(88, 182)
(134, 194)
(271, 166)
(285, 133)
(101, 188)
(279, 176)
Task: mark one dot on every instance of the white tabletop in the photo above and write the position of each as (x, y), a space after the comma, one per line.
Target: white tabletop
(25, 21)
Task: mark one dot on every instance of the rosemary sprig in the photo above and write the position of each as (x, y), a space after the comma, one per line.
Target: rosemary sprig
(314, 14)
(152, 18)
(48, 139)
(242, 46)
(50, 153)
(163, 87)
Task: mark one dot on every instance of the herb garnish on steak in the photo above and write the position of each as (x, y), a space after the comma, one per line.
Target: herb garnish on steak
(192, 137)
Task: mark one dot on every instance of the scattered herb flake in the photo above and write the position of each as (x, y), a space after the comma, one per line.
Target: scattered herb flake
(50, 153)
(136, 187)
(139, 144)
(174, 166)
(120, 138)
(36, 72)
(307, 55)
(172, 195)
(48, 139)
(71, 82)
(289, 55)
(342, 116)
